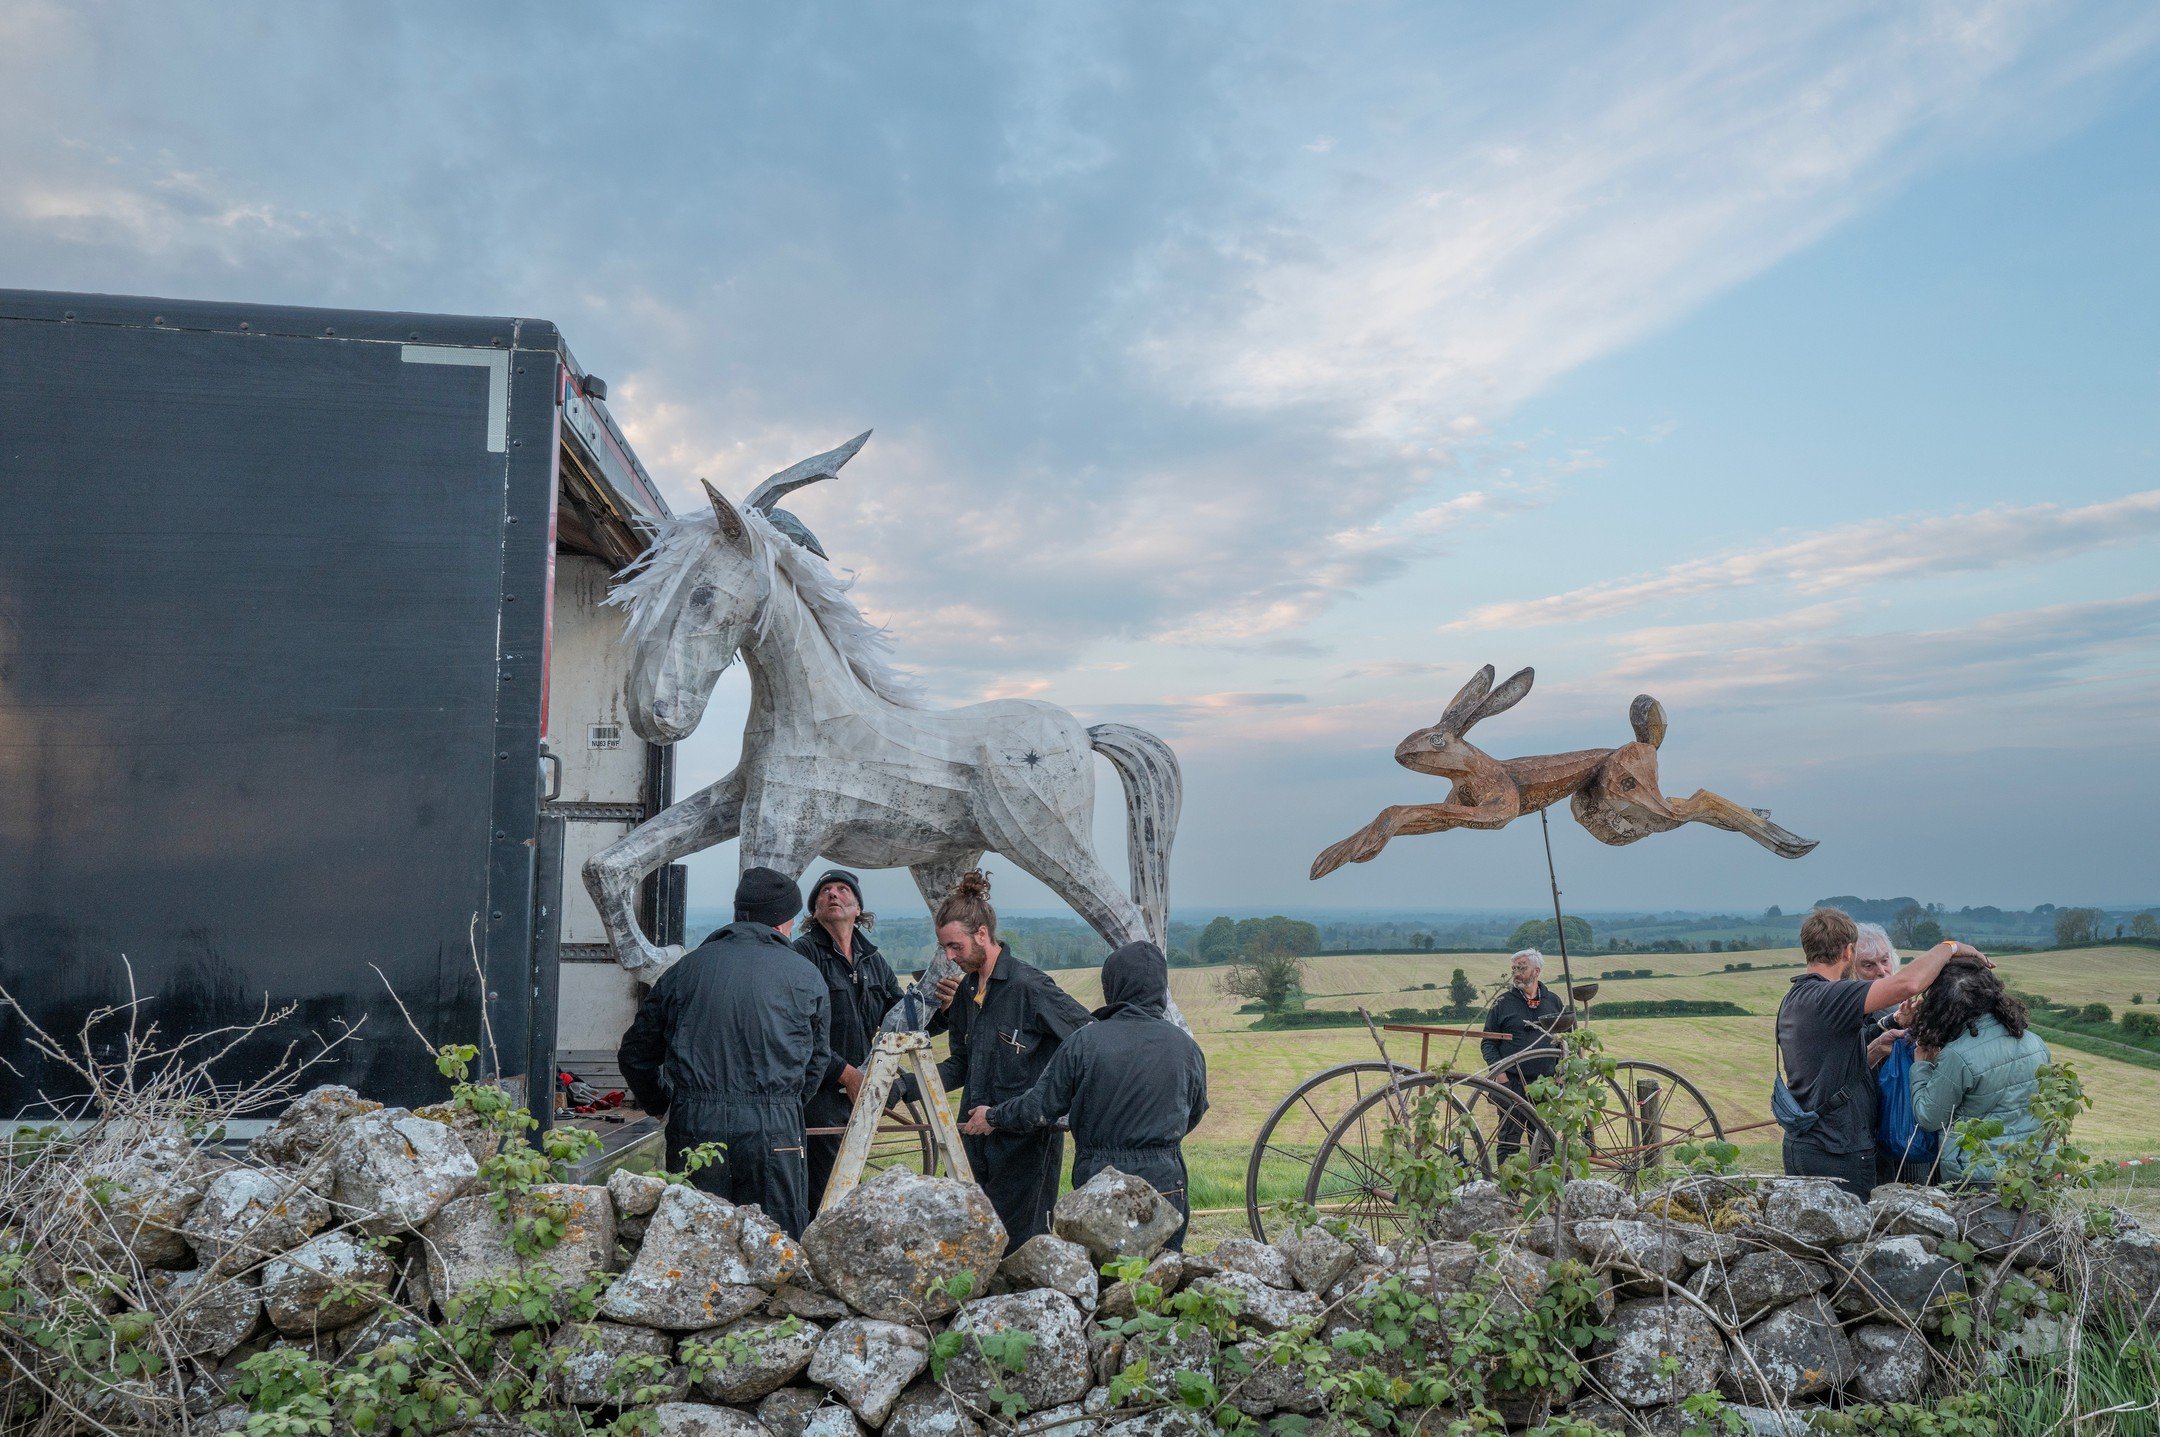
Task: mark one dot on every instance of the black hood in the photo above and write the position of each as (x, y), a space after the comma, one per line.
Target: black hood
(1136, 977)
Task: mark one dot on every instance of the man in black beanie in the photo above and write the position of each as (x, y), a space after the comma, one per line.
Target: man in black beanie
(1132, 1082)
(859, 989)
(729, 1044)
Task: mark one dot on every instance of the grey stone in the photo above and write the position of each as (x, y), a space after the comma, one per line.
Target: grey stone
(205, 1315)
(1799, 1350)
(2126, 1266)
(1478, 1207)
(1162, 1422)
(792, 1299)
(1589, 1199)
(1891, 1364)
(1052, 1262)
(1268, 1309)
(1166, 1355)
(1629, 1365)
(867, 1363)
(888, 1248)
(1774, 1421)
(704, 1263)
(1897, 1278)
(752, 1357)
(134, 1194)
(2023, 1238)
(1643, 1256)
(325, 1283)
(247, 1214)
(1115, 1215)
(1166, 1274)
(1318, 1259)
(477, 1132)
(1811, 1215)
(785, 1412)
(371, 1333)
(1751, 1285)
(1069, 1419)
(468, 1245)
(1055, 1368)
(1702, 1247)
(1271, 1386)
(586, 1355)
(1632, 1421)
(1907, 1210)
(392, 1171)
(307, 1125)
(2043, 1337)
(1243, 1254)
(635, 1194)
(696, 1419)
(927, 1410)
(832, 1421)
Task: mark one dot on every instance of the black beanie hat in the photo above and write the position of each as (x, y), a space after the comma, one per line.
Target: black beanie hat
(767, 896)
(837, 875)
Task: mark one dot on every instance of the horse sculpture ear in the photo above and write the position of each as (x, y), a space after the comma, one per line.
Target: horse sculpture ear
(732, 527)
(809, 471)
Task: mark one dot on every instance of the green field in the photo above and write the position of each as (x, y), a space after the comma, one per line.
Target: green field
(1729, 1058)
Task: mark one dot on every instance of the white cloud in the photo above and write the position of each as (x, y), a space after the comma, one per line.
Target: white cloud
(1850, 555)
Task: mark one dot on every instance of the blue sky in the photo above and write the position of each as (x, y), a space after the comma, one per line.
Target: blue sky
(1256, 372)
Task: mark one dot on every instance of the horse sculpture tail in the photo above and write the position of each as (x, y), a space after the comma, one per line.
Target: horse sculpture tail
(1154, 795)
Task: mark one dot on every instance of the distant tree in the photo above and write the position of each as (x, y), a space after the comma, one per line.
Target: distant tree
(1422, 942)
(1902, 926)
(1276, 934)
(2076, 925)
(1461, 991)
(1716, 945)
(2096, 1013)
(1538, 933)
(1926, 933)
(1269, 979)
(1773, 911)
(1217, 942)
(2145, 925)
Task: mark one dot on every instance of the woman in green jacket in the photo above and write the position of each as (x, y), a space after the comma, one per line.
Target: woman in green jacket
(1974, 1057)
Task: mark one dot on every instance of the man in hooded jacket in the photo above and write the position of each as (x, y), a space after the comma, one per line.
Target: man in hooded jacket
(729, 1044)
(1133, 1083)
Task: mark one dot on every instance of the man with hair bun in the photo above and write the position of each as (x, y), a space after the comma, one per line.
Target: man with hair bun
(1006, 1020)
(1822, 1033)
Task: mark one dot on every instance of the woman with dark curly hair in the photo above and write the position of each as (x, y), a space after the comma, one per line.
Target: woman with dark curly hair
(1974, 1057)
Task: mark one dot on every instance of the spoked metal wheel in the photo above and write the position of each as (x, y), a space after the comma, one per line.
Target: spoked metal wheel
(1479, 1121)
(1290, 1140)
(1650, 1111)
(910, 1147)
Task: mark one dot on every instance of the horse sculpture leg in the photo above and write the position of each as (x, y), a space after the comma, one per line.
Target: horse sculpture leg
(708, 817)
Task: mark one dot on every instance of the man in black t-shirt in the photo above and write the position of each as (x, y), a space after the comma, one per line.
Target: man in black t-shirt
(1822, 1041)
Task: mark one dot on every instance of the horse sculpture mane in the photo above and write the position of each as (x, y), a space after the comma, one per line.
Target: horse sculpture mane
(678, 540)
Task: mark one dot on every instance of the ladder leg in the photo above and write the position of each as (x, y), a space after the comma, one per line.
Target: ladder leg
(941, 1117)
(878, 1080)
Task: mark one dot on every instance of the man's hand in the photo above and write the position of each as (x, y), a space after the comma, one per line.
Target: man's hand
(1951, 948)
(944, 989)
(851, 1082)
(1880, 1048)
(978, 1123)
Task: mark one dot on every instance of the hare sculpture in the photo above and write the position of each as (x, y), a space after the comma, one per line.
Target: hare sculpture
(1613, 791)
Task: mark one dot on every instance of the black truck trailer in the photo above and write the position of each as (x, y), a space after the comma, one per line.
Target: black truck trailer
(307, 695)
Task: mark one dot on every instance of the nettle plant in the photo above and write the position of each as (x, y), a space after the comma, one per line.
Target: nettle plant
(517, 1167)
(2042, 1162)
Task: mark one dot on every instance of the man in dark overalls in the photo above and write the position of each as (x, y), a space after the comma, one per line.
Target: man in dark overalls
(860, 987)
(729, 1044)
(1132, 1083)
(1526, 1013)
(1006, 1020)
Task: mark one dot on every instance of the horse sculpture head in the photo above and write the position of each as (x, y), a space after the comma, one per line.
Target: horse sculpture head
(698, 595)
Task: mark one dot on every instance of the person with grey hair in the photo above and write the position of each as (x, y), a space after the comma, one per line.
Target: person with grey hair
(1904, 1151)
(1525, 1013)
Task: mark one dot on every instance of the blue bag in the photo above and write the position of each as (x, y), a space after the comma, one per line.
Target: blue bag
(1896, 1131)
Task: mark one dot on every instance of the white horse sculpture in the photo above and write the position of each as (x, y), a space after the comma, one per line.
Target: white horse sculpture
(838, 756)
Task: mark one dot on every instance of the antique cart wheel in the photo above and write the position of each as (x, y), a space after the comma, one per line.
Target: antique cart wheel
(1290, 1139)
(1484, 1119)
(913, 1149)
(1650, 1111)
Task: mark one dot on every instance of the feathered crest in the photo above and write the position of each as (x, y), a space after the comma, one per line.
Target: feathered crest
(679, 541)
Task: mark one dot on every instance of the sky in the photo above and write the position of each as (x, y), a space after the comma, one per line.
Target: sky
(1255, 372)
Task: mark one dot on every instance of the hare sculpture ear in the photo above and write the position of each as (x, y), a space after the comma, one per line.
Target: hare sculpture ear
(1461, 709)
(1647, 717)
(729, 518)
(1508, 694)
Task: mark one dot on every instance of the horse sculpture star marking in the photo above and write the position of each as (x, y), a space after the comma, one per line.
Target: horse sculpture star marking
(1613, 791)
(839, 755)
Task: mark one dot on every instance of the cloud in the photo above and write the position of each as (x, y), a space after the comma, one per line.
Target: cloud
(1850, 555)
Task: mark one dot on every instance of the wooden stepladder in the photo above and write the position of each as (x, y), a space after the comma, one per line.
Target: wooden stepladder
(892, 1055)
